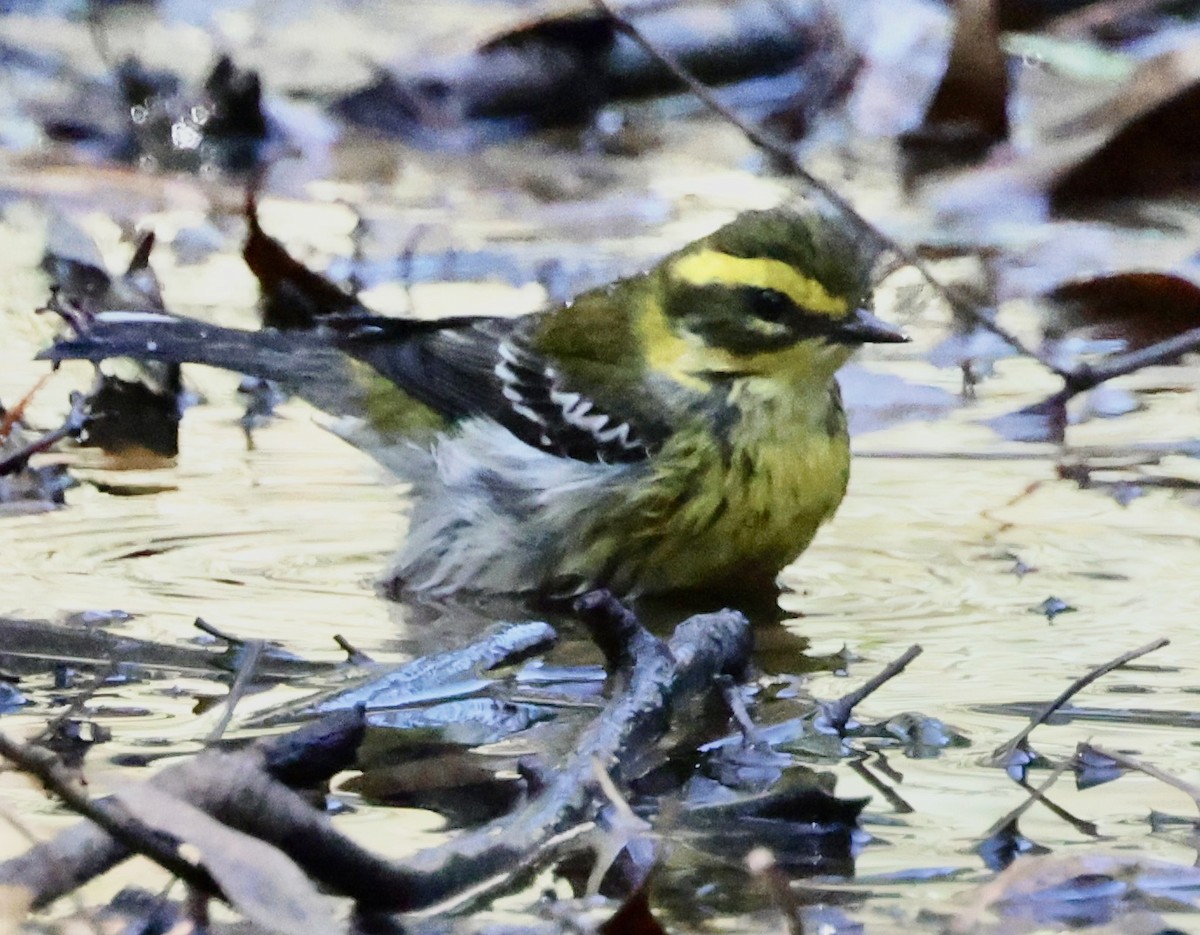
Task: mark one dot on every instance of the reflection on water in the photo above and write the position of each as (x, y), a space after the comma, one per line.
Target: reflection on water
(284, 542)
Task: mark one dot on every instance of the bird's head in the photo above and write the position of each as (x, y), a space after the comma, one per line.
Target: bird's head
(772, 293)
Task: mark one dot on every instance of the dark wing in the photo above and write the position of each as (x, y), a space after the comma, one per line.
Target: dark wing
(465, 367)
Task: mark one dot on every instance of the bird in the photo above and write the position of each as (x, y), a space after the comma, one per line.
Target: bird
(680, 430)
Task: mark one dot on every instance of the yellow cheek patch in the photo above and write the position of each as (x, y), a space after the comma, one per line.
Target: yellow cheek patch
(713, 268)
(668, 354)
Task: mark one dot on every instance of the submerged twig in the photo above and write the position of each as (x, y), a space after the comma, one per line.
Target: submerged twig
(1082, 825)
(751, 735)
(898, 803)
(1001, 755)
(1034, 795)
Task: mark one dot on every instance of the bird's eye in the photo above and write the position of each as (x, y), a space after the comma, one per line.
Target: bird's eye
(770, 305)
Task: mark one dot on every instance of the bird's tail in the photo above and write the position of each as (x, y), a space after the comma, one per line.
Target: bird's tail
(302, 361)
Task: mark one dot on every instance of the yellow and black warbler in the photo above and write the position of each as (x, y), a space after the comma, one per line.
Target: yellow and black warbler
(679, 430)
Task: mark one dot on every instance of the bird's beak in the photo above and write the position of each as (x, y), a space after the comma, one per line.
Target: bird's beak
(863, 327)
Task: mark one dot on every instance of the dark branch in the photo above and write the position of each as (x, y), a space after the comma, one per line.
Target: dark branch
(837, 713)
(122, 830)
(56, 867)
(1002, 754)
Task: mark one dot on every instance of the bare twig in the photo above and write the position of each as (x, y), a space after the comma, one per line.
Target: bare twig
(245, 789)
(751, 735)
(1088, 376)
(252, 651)
(72, 425)
(1189, 789)
(76, 855)
(837, 713)
(783, 155)
(76, 705)
(354, 655)
(1001, 754)
(105, 814)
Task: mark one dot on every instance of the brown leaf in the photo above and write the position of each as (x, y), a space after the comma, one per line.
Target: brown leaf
(293, 296)
(1140, 308)
(1145, 141)
(1039, 883)
(633, 917)
(1141, 137)
(969, 111)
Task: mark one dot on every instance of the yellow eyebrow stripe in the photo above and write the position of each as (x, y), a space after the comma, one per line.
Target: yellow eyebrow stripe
(714, 268)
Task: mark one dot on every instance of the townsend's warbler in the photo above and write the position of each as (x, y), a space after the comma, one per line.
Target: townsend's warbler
(677, 430)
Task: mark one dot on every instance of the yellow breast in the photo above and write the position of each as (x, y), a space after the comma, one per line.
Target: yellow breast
(727, 511)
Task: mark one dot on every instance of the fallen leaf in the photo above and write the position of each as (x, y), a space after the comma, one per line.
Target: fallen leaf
(1140, 308)
(1048, 885)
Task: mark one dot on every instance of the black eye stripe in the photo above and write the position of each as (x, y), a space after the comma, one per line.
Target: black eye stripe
(769, 304)
(777, 308)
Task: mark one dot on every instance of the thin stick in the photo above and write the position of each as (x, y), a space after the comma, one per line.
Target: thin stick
(838, 712)
(1187, 788)
(72, 425)
(252, 651)
(1002, 752)
(751, 735)
(1079, 824)
(782, 153)
(1086, 376)
(113, 820)
(76, 705)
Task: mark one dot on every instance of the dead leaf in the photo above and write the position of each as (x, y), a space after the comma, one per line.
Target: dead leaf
(1137, 137)
(1140, 308)
(261, 882)
(633, 917)
(1151, 135)
(1036, 885)
(293, 296)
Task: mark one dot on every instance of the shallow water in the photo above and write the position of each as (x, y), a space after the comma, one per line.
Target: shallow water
(285, 541)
